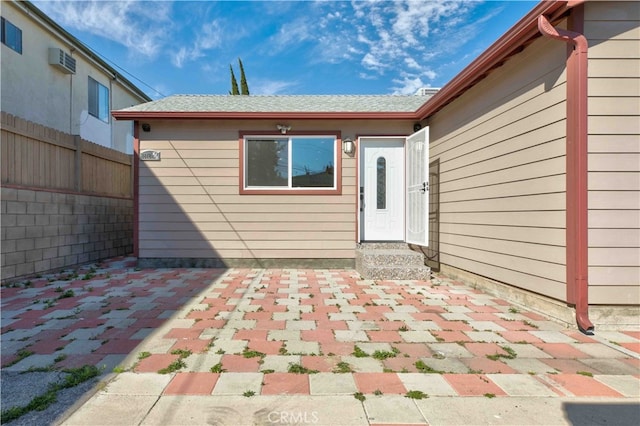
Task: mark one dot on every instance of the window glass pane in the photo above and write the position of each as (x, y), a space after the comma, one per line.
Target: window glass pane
(103, 106)
(381, 183)
(93, 97)
(11, 36)
(267, 162)
(98, 100)
(312, 162)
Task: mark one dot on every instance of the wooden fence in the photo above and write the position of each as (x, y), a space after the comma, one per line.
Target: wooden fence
(36, 156)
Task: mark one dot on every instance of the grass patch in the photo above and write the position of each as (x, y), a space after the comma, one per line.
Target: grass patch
(252, 354)
(174, 366)
(75, 377)
(22, 354)
(217, 368)
(424, 368)
(343, 367)
(300, 369)
(359, 353)
(510, 354)
(183, 353)
(416, 394)
(178, 363)
(385, 354)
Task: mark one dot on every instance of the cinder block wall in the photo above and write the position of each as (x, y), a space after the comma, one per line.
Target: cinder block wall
(44, 230)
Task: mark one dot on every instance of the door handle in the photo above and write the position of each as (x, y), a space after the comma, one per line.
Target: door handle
(362, 198)
(425, 187)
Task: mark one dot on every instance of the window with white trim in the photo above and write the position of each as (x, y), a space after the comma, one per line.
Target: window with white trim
(290, 163)
(98, 100)
(11, 35)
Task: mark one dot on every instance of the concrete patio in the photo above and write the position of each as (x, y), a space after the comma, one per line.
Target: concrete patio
(249, 346)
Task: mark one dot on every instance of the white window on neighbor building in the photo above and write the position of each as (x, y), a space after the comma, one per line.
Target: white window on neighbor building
(11, 35)
(98, 100)
(290, 163)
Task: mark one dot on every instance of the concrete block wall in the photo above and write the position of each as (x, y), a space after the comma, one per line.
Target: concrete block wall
(44, 230)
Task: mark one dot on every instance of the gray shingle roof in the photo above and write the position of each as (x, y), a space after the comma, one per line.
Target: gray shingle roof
(290, 103)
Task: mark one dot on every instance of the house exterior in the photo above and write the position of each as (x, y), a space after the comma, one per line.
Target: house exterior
(50, 78)
(532, 152)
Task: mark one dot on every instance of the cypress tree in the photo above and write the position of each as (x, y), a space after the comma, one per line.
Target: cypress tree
(234, 83)
(244, 87)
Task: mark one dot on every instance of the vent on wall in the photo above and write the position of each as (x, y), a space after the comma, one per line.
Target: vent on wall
(62, 60)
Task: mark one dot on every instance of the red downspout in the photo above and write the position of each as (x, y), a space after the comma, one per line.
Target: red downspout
(577, 171)
(136, 188)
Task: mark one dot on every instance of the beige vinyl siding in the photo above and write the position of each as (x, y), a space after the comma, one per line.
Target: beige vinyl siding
(190, 206)
(613, 31)
(501, 148)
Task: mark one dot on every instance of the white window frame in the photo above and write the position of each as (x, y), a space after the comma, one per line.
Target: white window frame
(97, 108)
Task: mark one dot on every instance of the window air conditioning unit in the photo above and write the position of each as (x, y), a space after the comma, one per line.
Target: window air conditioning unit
(62, 60)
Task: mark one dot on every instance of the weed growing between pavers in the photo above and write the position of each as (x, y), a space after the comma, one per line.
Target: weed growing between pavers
(511, 354)
(22, 354)
(381, 355)
(343, 367)
(248, 393)
(39, 403)
(585, 373)
(300, 369)
(359, 353)
(489, 395)
(416, 394)
(424, 368)
(177, 364)
(359, 396)
(217, 368)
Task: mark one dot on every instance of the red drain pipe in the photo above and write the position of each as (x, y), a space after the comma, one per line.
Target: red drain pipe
(577, 171)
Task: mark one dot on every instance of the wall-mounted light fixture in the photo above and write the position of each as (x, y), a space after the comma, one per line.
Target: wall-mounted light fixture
(283, 128)
(348, 146)
(146, 127)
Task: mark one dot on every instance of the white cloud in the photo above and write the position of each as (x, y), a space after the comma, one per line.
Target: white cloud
(271, 87)
(127, 22)
(407, 85)
(209, 37)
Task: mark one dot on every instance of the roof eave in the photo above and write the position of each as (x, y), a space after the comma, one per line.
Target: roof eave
(516, 37)
(182, 115)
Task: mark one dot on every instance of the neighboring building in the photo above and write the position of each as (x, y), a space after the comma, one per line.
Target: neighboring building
(508, 146)
(49, 77)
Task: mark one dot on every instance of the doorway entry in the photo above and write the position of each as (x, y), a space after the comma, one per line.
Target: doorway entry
(382, 189)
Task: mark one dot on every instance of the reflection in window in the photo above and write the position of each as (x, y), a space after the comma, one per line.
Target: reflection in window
(312, 162)
(98, 100)
(381, 183)
(295, 162)
(11, 35)
(267, 162)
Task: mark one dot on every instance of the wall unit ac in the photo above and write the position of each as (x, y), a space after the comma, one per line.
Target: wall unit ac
(62, 60)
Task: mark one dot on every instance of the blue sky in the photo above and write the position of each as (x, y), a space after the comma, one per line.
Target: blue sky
(295, 47)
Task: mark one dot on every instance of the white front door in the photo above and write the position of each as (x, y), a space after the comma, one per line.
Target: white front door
(382, 189)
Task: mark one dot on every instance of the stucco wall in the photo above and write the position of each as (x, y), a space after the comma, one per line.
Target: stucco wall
(190, 205)
(36, 91)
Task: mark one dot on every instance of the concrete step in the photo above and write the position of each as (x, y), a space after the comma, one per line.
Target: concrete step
(390, 261)
(395, 272)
